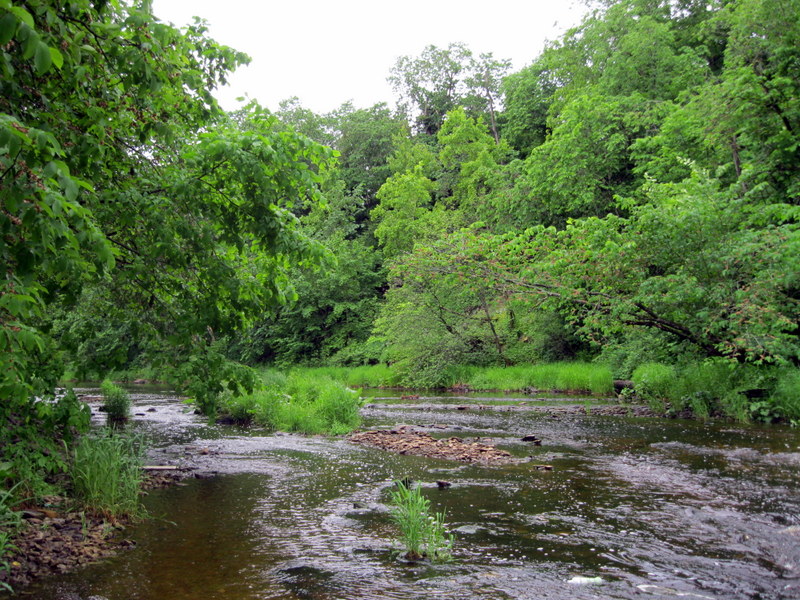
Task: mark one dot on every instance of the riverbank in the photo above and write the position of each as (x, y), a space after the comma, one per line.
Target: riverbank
(55, 538)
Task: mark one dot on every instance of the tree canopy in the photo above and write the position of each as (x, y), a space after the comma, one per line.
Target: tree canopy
(126, 186)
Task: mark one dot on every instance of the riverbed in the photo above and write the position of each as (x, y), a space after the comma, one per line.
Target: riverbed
(633, 507)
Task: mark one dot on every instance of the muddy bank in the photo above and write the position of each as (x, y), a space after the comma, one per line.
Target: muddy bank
(59, 539)
(406, 440)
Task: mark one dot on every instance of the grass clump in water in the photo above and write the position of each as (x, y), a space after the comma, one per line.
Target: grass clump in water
(301, 403)
(117, 402)
(106, 473)
(423, 534)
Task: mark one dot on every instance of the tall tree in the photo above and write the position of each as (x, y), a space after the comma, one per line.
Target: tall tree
(119, 169)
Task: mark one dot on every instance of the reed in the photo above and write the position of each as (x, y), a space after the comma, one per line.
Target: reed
(566, 376)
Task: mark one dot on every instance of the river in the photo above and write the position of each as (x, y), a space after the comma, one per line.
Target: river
(633, 508)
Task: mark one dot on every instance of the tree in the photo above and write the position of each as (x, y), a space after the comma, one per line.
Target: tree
(683, 263)
(442, 79)
(118, 169)
(365, 138)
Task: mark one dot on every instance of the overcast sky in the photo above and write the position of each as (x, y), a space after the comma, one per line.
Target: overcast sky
(327, 52)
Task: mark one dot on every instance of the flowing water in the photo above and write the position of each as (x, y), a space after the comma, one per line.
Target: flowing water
(633, 508)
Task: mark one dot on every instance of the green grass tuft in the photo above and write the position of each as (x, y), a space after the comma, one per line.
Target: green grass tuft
(116, 400)
(423, 534)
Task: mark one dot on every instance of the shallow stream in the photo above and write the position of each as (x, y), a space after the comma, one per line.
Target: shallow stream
(633, 508)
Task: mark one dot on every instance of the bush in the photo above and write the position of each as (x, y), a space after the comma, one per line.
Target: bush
(423, 534)
(117, 401)
(786, 395)
(106, 473)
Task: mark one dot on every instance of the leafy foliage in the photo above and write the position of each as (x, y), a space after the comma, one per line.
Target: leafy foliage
(122, 183)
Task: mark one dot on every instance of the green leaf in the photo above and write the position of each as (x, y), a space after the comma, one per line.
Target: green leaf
(8, 26)
(42, 59)
(57, 58)
(70, 188)
(23, 15)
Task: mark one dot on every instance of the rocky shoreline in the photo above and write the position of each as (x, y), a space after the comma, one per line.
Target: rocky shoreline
(55, 538)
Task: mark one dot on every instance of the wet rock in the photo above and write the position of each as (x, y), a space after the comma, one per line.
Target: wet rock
(622, 384)
(151, 410)
(533, 439)
(443, 484)
(469, 529)
(404, 440)
(140, 381)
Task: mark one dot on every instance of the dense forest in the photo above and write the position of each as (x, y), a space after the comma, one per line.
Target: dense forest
(631, 197)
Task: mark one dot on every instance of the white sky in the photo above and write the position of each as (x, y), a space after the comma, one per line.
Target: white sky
(329, 52)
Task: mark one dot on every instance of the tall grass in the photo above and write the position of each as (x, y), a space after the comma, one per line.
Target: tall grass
(786, 395)
(300, 402)
(571, 376)
(116, 400)
(422, 533)
(106, 473)
(565, 376)
(374, 376)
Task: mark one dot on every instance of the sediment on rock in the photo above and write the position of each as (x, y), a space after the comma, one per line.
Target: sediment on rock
(405, 440)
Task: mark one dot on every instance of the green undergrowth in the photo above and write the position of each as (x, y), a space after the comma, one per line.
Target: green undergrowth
(10, 521)
(299, 402)
(106, 473)
(720, 388)
(565, 376)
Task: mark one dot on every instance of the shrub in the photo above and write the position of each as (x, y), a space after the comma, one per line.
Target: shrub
(106, 473)
(117, 401)
(654, 383)
(786, 395)
(423, 534)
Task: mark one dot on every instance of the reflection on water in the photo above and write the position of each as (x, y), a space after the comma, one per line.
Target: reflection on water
(655, 509)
